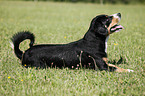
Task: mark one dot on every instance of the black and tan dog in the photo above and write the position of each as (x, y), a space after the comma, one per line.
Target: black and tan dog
(88, 52)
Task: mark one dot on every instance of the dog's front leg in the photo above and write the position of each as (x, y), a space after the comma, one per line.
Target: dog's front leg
(99, 63)
(118, 69)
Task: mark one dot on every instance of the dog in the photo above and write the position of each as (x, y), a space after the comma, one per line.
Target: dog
(88, 52)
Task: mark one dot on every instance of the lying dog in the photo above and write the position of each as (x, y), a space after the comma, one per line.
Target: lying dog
(88, 52)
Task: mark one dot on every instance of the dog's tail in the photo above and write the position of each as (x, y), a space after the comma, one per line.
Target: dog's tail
(18, 38)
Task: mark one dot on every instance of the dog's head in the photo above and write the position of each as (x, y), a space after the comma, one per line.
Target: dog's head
(106, 25)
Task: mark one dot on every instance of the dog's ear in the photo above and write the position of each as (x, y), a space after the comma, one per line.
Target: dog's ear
(98, 25)
(102, 30)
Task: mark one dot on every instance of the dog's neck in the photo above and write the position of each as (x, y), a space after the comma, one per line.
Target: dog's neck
(106, 43)
(91, 36)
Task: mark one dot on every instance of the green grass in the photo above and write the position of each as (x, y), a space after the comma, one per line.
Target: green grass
(63, 23)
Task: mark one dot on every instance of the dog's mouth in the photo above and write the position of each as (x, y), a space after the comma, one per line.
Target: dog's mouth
(116, 28)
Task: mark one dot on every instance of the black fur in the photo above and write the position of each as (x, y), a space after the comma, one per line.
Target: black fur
(86, 52)
(18, 38)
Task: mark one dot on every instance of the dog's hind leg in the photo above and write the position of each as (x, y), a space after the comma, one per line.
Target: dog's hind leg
(32, 63)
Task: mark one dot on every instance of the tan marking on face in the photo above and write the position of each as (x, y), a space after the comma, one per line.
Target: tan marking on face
(114, 22)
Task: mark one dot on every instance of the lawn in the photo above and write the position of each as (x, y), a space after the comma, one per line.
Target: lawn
(63, 23)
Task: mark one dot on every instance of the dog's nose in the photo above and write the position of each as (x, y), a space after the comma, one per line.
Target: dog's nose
(119, 14)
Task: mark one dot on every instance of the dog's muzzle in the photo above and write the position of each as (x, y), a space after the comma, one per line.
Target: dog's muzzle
(116, 28)
(117, 16)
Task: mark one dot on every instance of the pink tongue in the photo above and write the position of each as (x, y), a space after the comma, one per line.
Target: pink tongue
(117, 28)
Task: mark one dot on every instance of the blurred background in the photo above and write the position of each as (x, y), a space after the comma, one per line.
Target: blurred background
(93, 1)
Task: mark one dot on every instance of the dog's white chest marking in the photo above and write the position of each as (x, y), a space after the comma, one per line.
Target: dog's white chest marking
(106, 43)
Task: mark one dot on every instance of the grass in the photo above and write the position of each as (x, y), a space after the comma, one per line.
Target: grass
(63, 23)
